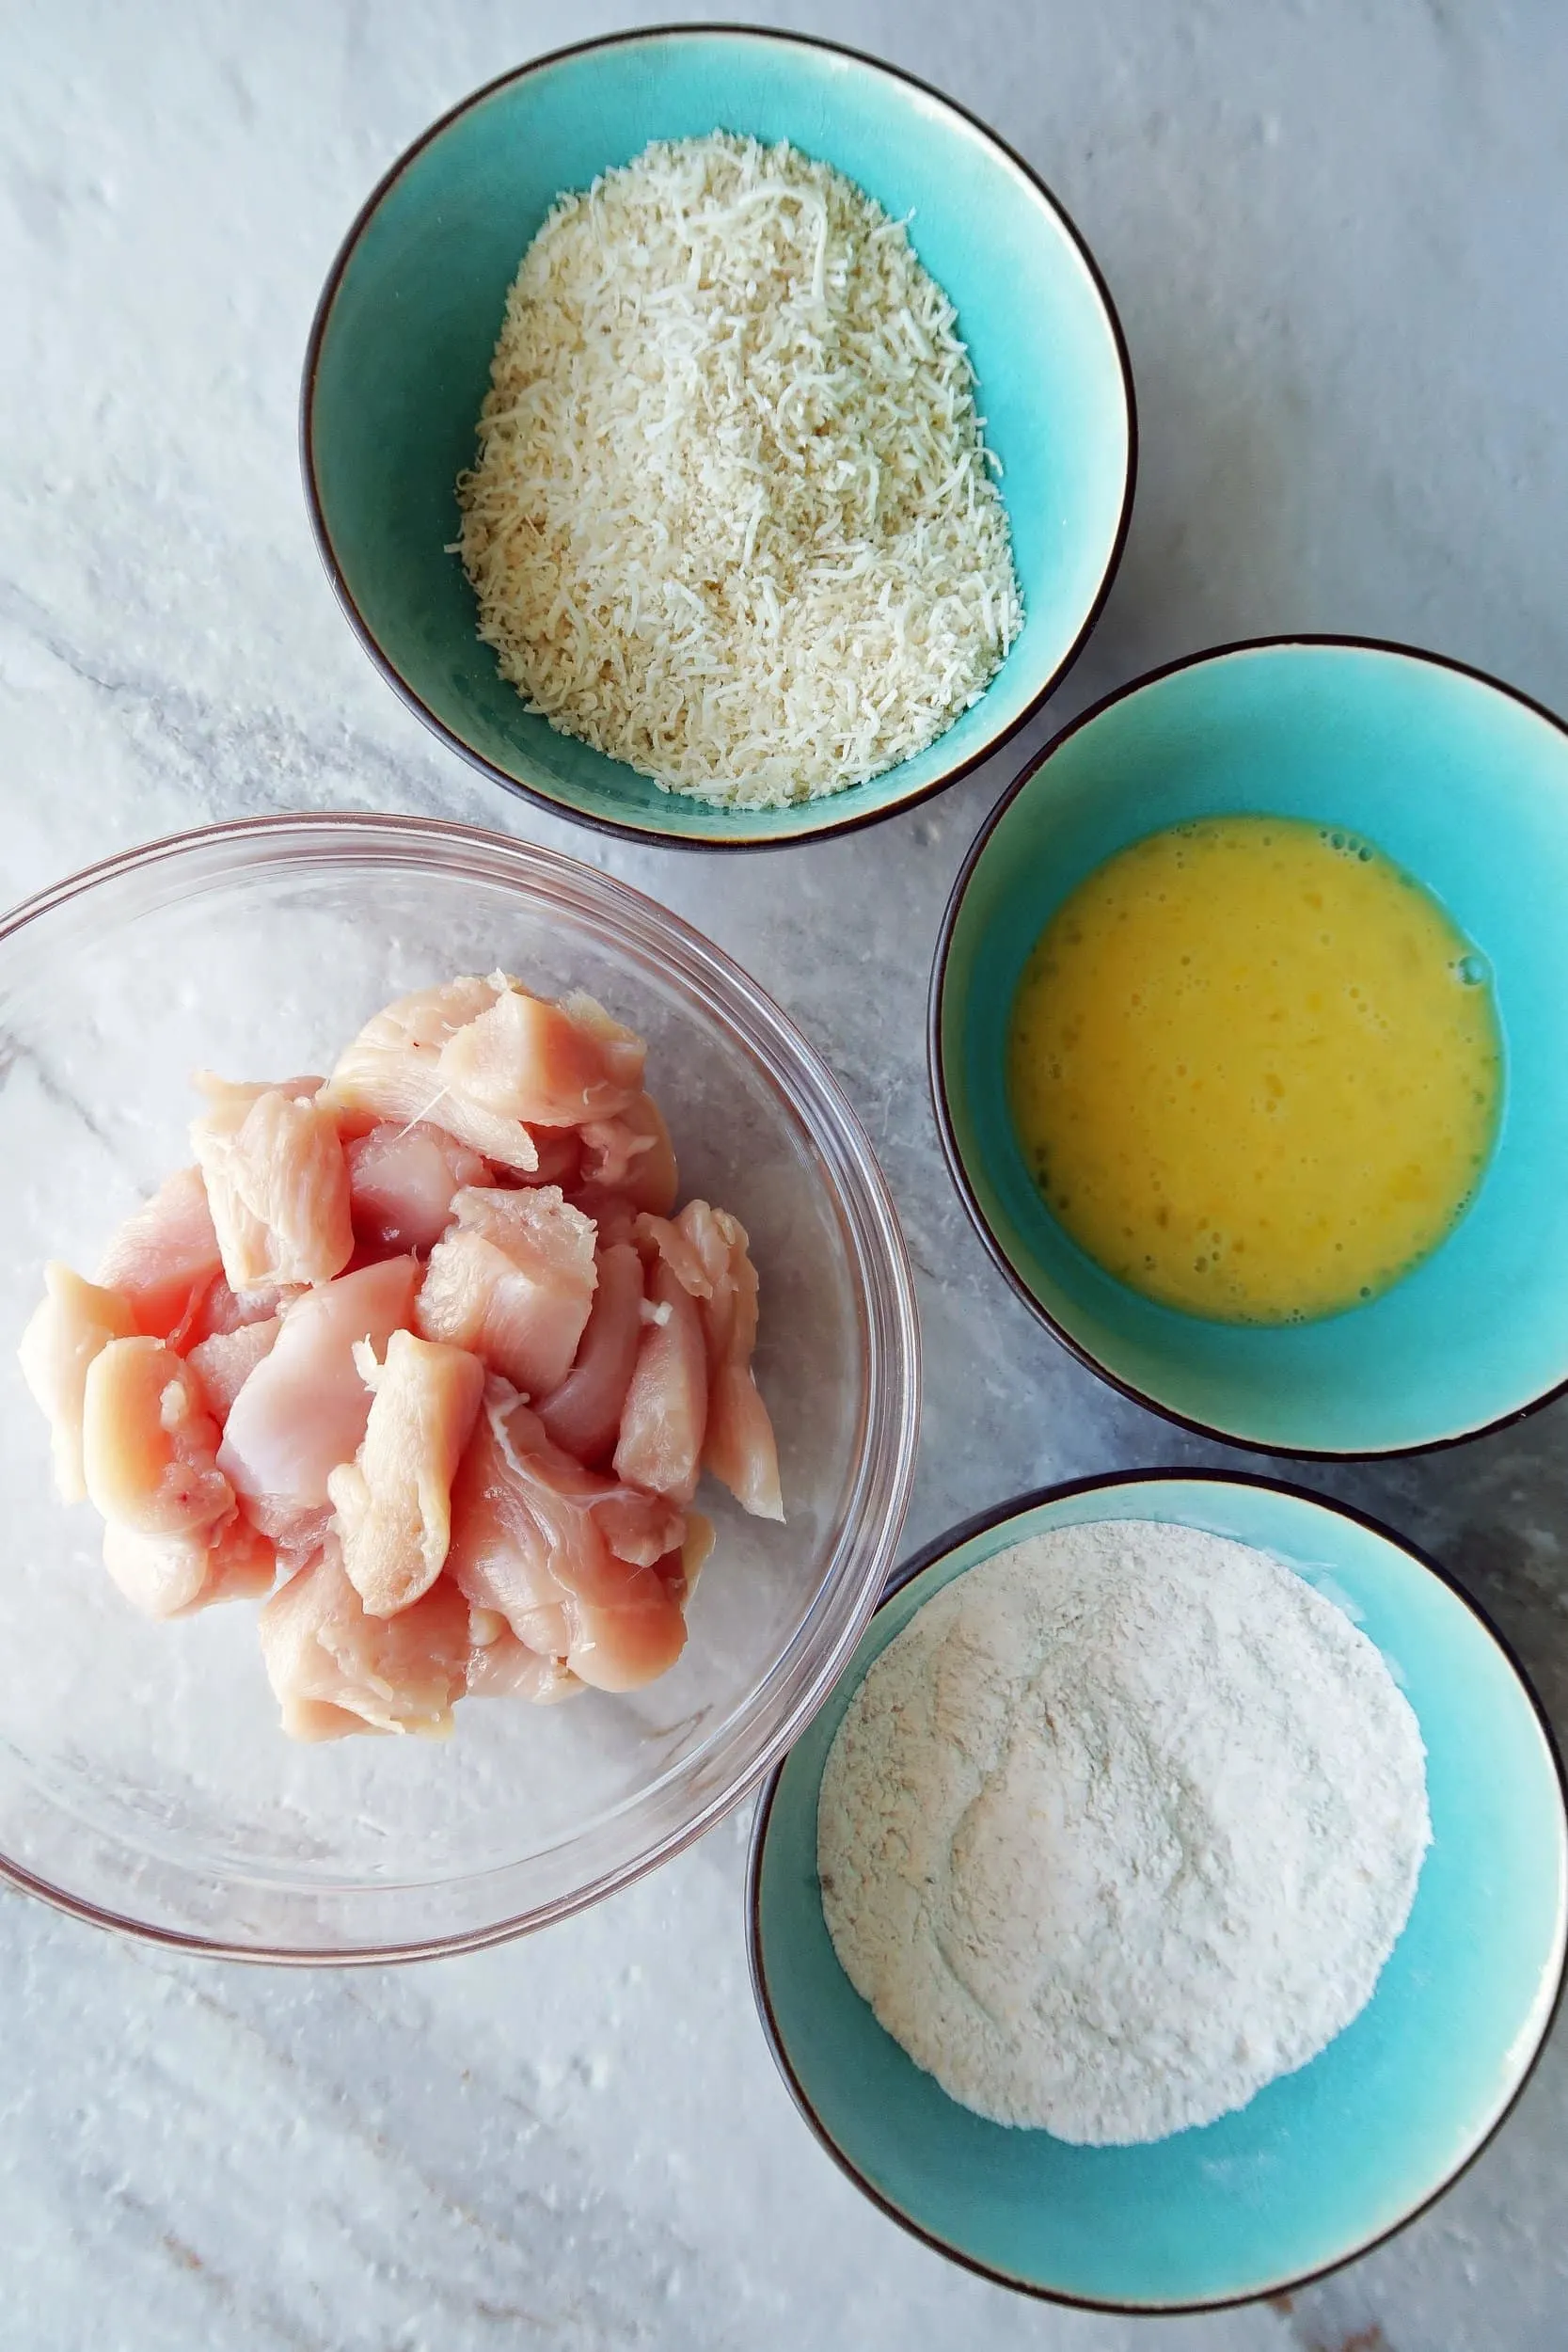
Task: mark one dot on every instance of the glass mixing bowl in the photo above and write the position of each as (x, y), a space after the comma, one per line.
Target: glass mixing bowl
(144, 1781)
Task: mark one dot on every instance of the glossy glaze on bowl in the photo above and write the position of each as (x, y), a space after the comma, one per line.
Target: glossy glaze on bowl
(143, 1778)
(1464, 784)
(1323, 2163)
(399, 362)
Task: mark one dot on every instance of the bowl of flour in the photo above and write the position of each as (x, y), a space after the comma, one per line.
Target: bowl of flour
(1133, 1924)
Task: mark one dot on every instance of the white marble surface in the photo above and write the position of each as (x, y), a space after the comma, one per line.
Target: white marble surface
(1334, 233)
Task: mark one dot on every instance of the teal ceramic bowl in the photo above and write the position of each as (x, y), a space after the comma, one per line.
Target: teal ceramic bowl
(1462, 782)
(1323, 2163)
(400, 354)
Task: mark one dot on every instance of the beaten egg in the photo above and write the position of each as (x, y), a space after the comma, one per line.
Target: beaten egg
(1255, 1068)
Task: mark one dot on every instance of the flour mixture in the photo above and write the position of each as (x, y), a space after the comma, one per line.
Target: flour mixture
(1122, 1825)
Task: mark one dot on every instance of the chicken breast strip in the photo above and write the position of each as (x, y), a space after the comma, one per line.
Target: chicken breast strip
(276, 1182)
(75, 1321)
(393, 1501)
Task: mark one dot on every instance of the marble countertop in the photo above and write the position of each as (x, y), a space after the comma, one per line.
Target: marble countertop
(1332, 228)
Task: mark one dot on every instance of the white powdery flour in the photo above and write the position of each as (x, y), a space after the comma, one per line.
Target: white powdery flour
(1122, 1825)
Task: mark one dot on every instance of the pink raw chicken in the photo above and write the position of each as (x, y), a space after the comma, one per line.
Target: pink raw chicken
(500, 1666)
(164, 1256)
(392, 1071)
(662, 1421)
(613, 1215)
(225, 1362)
(739, 1447)
(681, 1567)
(275, 1181)
(338, 1670)
(172, 1576)
(560, 1151)
(149, 1442)
(304, 1408)
(393, 1501)
(222, 1311)
(74, 1323)
(632, 1155)
(402, 1180)
(171, 1540)
(638, 1527)
(583, 1414)
(657, 1236)
(514, 1282)
(552, 1065)
(446, 1537)
(531, 1541)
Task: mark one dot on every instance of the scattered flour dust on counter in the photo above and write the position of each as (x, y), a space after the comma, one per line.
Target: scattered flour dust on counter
(1123, 1825)
(730, 518)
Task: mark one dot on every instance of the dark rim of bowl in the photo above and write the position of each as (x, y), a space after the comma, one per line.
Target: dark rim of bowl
(542, 797)
(926, 1558)
(372, 824)
(936, 1068)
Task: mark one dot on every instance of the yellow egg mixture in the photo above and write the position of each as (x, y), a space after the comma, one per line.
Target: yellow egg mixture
(1255, 1068)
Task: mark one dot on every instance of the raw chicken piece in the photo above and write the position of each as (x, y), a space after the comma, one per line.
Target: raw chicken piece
(164, 1256)
(560, 1151)
(393, 1501)
(583, 1414)
(638, 1527)
(223, 1311)
(392, 1071)
(74, 1323)
(295, 1531)
(739, 1447)
(241, 1565)
(402, 1180)
(657, 1236)
(338, 1670)
(149, 1442)
(633, 1154)
(552, 1065)
(513, 1281)
(276, 1183)
(172, 1542)
(225, 1362)
(682, 1566)
(499, 1552)
(665, 1413)
(613, 1217)
(500, 1666)
(530, 1542)
(172, 1576)
(304, 1408)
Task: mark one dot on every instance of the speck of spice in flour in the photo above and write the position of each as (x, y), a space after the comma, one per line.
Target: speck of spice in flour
(1123, 1825)
(732, 517)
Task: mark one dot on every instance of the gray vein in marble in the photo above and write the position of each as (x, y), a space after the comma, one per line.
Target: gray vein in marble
(223, 753)
(15, 1053)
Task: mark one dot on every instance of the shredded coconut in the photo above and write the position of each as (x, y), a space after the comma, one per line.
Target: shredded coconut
(730, 519)
(1122, 1825)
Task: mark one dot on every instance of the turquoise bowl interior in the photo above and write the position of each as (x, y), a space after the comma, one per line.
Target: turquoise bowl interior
(1464, 784)
(400, 355)
(1321, 2163)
